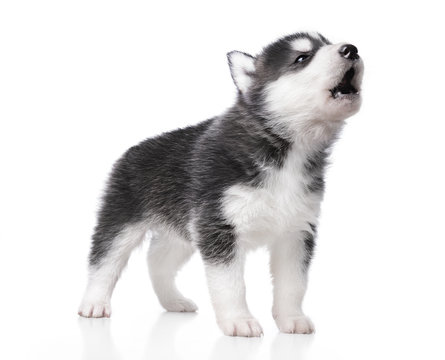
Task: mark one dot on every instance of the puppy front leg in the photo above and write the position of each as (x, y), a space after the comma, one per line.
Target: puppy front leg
(289, 261)
(228, 295)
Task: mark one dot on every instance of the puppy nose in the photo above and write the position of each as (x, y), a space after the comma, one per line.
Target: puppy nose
(349, 51)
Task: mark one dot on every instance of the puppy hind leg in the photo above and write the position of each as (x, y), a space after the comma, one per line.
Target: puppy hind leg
(168, 252)
(109, 255)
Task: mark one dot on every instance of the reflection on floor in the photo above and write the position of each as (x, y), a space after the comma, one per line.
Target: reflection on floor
(162, 342)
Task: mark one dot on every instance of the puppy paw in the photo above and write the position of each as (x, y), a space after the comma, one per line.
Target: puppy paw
(247, 327)
(179, 305)
(295, 324)
(95, 310)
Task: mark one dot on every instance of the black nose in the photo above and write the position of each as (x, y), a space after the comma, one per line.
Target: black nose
(349, 51)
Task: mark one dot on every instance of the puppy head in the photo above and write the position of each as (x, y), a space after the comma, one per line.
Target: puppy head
(300, 80)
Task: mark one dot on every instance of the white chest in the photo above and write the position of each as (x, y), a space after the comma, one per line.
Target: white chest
(282, 205)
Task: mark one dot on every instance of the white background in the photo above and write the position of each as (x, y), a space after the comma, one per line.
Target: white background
(81, 81)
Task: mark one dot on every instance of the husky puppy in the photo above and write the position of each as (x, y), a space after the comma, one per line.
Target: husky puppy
(250, 177)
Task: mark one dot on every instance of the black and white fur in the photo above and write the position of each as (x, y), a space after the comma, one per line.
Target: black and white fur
(250, 177)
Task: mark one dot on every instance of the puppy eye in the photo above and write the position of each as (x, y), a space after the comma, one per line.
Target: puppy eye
(302, 58)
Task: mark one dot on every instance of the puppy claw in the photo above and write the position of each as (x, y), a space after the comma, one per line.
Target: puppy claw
(95, 310)
(295, 324)
(180, 305)
(241, 327)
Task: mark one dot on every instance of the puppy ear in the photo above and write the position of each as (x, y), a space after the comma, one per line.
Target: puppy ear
(242, 67)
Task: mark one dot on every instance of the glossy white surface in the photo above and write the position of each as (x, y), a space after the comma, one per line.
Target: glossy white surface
(82, 81)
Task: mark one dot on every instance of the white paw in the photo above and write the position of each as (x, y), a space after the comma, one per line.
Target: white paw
(95, 310)
(179, 305)
(247, 327)
(295, 324)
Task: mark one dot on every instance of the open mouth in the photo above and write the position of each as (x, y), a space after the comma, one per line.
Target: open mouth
(345, 87)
